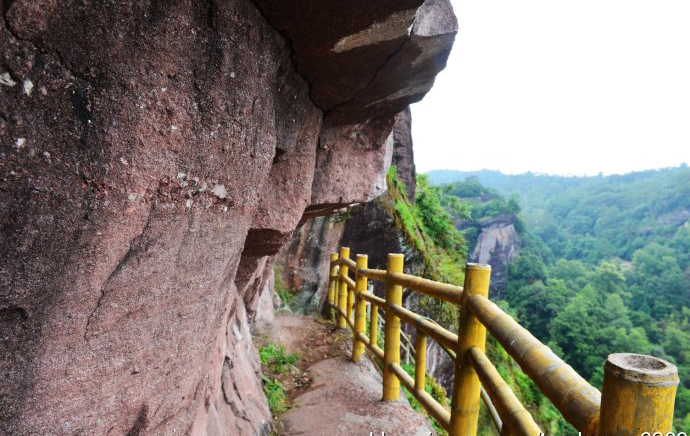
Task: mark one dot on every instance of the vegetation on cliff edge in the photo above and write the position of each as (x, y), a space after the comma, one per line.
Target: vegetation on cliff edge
(428, 226)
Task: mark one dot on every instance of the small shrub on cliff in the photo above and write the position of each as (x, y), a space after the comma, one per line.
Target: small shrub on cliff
(437, 221)
(428, 228)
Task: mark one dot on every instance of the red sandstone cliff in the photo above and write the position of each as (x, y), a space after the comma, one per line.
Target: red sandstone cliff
(154, 156)
(367, 228)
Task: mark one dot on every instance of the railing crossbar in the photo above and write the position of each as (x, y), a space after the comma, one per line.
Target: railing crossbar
(434, 331)
(440, 414)
(572, 395)
(516, 419)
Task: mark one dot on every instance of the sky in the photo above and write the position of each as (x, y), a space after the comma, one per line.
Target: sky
(560, 87)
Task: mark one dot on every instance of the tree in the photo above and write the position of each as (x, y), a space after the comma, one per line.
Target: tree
(525, 270)
(656, 282)
(538, 303)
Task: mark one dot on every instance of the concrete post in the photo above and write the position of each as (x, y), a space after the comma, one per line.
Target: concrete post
(420, 361)
(332, 286)
(342, 285)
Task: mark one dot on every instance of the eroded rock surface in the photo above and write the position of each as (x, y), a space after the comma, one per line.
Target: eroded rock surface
(365, 227)
(415, 64)
(154, 157)
(497, 245)
(345, 152)
(374, 59)
(403, 153)
(304, 261)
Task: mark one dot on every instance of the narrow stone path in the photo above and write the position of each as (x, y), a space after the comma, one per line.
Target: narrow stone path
(344, 397)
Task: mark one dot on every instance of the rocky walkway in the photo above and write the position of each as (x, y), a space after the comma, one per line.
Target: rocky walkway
(343, 398)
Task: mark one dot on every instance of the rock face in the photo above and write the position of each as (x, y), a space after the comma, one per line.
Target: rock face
(403, 154)
(678, 217)
(154, 157)
(368, 227)
(356, 63)
(345, 152)
(497, 244)
(304, 261)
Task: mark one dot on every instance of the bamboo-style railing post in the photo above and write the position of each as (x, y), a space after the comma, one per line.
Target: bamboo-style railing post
(332, 286)
(419, 361)
(374, 326)
(350, 304)
(342, 285)
(637, 395)
(360, 308)
(471, 333)
(391, 345)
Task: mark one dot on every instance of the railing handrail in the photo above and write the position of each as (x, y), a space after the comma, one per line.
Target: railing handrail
(578, 401)
(572, 395)
(440, 290)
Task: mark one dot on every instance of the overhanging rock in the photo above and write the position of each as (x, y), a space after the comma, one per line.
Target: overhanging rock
(366, 59)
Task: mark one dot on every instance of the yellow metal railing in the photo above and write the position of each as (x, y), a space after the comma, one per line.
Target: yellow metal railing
(638, 392)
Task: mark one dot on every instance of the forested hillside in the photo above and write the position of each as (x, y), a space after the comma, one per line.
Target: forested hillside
(606, 267)
(428, 226)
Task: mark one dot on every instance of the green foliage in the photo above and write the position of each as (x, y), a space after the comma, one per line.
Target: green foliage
(480, 202)
(428, 228)
(604, 267)
(438, 223)
(589, 218)
(277, 359)
(275, 394)
(276, 362)
(656, 282)
(584, 313)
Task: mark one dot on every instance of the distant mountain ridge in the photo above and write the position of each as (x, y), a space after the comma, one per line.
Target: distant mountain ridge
(530, 182)
(627, 211)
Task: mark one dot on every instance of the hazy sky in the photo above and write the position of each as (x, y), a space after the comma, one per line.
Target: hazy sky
(561, 87)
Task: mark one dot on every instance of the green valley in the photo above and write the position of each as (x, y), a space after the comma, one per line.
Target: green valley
(603, 264)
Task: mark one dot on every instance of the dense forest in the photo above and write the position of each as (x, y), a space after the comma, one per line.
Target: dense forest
(604, 264)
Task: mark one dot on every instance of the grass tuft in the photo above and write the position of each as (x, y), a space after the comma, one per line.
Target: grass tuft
(275, 394)
(276, 362)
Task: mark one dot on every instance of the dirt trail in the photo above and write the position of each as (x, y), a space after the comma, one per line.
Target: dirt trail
(343, 398)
